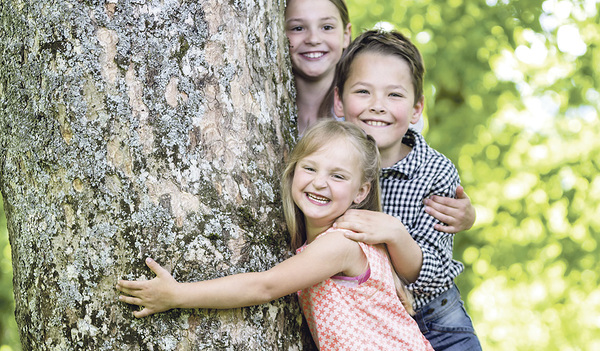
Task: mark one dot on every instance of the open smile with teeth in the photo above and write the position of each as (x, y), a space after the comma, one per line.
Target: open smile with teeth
(313, 55)
(320, 199)
(376, 123)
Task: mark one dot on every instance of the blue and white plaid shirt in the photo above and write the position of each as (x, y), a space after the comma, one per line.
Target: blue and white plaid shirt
(422, 173)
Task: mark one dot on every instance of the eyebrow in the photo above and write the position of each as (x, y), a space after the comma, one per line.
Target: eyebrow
(341, 170)
(304, 161)
(328, 18)
(393, 86)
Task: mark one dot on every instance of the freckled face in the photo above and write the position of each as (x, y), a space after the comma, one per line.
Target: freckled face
(327, 182)
(317, 37)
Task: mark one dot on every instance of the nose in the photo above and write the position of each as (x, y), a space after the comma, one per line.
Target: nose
(377, 103)
(319, 181)
(313, 37)
(377, 109)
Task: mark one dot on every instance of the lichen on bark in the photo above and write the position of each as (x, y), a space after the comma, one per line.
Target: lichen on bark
(143, 128)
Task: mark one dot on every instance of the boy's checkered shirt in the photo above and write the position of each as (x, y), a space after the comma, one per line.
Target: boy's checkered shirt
(422, 173)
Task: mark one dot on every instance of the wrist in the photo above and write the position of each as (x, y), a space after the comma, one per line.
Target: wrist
(176, 295)
(394, 241)
(399, 236)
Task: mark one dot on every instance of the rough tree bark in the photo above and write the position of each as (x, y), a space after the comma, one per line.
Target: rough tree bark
(138, 128)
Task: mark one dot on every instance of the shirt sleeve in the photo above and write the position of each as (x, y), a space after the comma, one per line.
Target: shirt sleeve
(438, 269)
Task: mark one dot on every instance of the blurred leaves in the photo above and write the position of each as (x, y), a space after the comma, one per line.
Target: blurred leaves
(512, 98)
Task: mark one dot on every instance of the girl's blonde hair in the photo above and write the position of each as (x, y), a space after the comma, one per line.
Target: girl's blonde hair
(318, 136)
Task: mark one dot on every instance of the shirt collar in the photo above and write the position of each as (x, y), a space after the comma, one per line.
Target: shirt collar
(415, 158)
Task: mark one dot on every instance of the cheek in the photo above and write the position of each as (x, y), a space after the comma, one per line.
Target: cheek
(339, 45)
(296, 193)
(352, 110)
(292, 41)
(298, 183)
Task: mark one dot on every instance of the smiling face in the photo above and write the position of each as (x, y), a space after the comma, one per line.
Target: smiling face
(326, 183)
(317, 37)
(379, 97)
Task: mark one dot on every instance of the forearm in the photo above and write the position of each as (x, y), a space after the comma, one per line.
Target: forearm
(233, 291)
(164, 293)
(406, 257)
(437, 267)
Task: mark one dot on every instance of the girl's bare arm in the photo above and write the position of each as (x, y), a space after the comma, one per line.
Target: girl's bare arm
(325, 257)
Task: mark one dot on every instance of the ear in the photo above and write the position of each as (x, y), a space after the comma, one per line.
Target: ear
(418, 110)
(363, 191)
(347, 35)
(338, 105)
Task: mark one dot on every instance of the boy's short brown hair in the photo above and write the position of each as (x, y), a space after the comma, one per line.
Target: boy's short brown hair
(382, 42)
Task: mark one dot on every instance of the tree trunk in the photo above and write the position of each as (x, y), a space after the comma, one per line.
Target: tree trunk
(143, 128)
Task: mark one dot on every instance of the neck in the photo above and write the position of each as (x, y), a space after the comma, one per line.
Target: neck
(312, 231)
(309, 96)
(391, 156)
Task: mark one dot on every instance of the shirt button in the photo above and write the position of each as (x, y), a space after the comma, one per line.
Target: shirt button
(430, 311)
(444, 302)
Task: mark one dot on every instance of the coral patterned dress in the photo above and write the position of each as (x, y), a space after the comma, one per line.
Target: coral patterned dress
(362, 315)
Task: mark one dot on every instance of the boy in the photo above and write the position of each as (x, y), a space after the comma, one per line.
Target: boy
(379, 87)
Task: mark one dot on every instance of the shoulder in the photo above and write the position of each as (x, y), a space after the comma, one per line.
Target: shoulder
(435, 158)
(335, 235)
(442, 161)
(335, 250)
(334, 240)
(435, 166)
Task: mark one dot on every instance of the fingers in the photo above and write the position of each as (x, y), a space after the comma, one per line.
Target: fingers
(129, 287)
(446, 228)
(441, 201)
(348, 225)
(141, 293)
(138, 302)
(359, 220)
(354, 236)
(130, 300)
(349, 221)
(447, 217)
(156, 268)
(362, 237)
(143, 313)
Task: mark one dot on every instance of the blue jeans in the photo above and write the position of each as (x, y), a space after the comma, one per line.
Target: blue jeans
(446, 324)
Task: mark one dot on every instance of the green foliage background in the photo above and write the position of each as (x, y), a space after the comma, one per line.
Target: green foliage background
(515, 105)
(516, 108)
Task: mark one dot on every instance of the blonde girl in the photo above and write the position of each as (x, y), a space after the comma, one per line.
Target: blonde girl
(346, 289)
